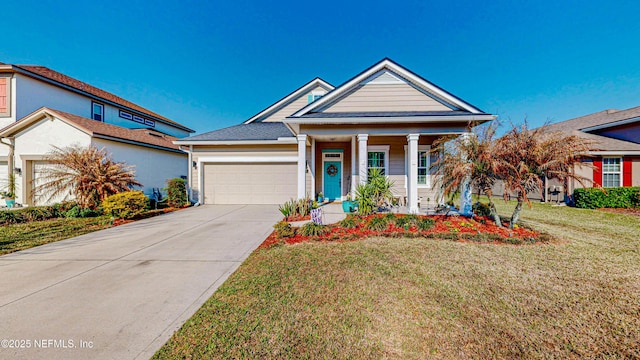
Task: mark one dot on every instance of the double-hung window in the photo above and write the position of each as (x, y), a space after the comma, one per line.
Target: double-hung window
(611, 172)
(378, 158)
(424, 163)
(97, 111)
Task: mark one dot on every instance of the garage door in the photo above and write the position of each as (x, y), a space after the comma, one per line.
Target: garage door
(249, 183)
(3, 179)
(40, 169)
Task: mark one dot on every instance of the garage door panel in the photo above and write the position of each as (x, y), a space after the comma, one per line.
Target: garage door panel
(249, 183)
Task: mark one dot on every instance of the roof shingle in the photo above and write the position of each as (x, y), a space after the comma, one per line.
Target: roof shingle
(245, 132)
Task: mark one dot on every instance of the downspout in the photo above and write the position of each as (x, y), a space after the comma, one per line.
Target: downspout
(189, 171)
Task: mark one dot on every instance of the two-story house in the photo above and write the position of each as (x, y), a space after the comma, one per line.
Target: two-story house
(41, 108)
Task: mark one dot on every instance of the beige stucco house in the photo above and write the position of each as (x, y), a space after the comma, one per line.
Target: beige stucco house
(322, 138)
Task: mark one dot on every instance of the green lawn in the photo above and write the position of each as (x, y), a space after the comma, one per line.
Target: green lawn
(418, 298)
(17, 237)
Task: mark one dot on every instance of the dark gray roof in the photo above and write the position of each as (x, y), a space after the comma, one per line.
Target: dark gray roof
(595, 119)
(244, 132)
(602, 143)
(385, 114)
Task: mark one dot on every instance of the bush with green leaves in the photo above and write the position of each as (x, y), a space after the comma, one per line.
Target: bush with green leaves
(284, 230)
(299, 207)
(377, 223)
(177, 193)
(35, 213)
(375, 193)
(425, 223)
(350, 222)
(406, 221)
(79, 212)
(313, 229)
(481, 209)
(595, 198)
(125, 205)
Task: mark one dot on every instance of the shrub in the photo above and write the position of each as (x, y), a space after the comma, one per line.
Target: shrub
(37, 213)
(425, 223)
(79, 212)
(313, 229)
(481, 209)
(349, 222)
(377, 223)
(125, 205)
(406, 221)
(284, 230)
(595, 198)
(176, 193)
(300, 207)
(10, 217)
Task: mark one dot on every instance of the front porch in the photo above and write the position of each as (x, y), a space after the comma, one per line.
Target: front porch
(335, 164)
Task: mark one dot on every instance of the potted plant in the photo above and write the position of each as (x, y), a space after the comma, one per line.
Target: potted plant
(348, 206)
(9, 196)
(320, 197)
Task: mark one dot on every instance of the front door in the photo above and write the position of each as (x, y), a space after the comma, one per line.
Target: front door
(332, 180)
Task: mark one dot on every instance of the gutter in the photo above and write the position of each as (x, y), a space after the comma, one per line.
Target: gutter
(76, 90)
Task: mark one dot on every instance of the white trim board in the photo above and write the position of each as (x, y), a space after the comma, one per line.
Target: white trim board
(247, 159)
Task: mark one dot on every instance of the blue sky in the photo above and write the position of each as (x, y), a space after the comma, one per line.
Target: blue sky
(211, 64)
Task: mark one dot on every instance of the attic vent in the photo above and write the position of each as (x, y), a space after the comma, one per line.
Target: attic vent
(154, 134)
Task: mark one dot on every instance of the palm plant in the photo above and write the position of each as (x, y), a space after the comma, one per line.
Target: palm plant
(471, 157)
(526, 156)
(87, 174)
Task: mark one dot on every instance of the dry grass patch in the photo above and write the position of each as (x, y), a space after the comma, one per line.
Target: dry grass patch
(424, 298)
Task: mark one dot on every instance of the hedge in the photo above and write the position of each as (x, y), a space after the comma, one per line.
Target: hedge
(125, 205)
(595, 198)
(35, 213)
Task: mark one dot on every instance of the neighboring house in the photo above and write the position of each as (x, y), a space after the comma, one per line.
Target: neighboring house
(616, 150)
(615, 153)
(322, 138)
(41, 108)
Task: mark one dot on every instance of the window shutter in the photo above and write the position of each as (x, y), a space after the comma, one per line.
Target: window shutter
(626, 171)
(3, 95)
(597, 172)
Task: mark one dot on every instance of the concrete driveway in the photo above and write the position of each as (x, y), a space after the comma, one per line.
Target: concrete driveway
(121, 293)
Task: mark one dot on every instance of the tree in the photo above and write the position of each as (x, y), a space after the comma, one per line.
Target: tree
(87, 174)
(469, 157)
(526, 156)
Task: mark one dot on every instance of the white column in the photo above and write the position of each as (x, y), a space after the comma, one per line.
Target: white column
(313, 167)
(302, 165)
(412, 173)
(353, 166)
(466, 202)
(362, 158)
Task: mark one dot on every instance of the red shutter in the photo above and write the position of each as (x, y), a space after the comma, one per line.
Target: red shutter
(3, 95)
(626, 171)
(597, 172)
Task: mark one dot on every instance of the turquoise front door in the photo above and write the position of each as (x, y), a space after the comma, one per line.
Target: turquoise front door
(332, 179)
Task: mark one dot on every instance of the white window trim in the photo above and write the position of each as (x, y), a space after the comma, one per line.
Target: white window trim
(380, 148)
(621, 171)
(426, 148)
(93, 104)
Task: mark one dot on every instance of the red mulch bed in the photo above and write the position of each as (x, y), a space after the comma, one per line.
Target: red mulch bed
(456, 228)
(629, 211)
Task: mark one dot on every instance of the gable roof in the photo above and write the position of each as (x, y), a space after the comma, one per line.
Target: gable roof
(53, 77)
(96, 129)
(581, 126)
(296, 94)
(258, 131)
(599, 120)
(388, 70)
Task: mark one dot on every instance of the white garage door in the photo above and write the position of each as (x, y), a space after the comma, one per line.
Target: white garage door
(4, 179)
(249, 183)
(41, 198)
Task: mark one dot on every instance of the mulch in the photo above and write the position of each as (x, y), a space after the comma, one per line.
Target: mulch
(456, 228)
